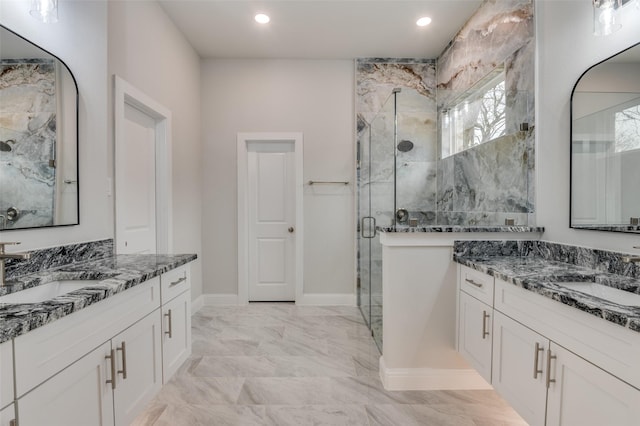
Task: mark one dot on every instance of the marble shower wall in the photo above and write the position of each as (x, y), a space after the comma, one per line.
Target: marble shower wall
(27, 140)
(494, 181)
(416, 114)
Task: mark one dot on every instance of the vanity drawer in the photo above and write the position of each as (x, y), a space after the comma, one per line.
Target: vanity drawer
(43, 352)
(175, 282)
(476, 284)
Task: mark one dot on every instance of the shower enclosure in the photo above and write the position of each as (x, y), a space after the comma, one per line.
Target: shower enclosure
(397, 181)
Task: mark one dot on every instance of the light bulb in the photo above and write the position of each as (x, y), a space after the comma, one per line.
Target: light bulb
(45, 10)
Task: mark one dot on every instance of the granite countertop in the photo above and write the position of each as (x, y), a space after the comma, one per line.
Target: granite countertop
(544, 277)
(116, 274)
(459, 228)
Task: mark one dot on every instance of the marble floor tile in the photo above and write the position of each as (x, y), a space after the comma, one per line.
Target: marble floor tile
(313, 366)
(319, 415)
(234, 366)
(200, 391)
(413, 415)
(286, 391)
(209, 415)
(281, 364)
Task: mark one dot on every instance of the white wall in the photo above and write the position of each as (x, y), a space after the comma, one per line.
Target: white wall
(313, 97)
(148, 51)
(80, 40)
(566, 48)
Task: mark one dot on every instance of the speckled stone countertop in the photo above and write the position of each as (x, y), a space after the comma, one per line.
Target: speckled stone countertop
(458, 228)
(545, 277)
(116, 274)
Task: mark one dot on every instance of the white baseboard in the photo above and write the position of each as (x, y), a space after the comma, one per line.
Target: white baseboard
(430, 379)
(322, 299)
(197, 304)
(220, 299)
(319, 299)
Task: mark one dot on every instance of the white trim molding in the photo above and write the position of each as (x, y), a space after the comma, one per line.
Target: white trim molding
(395, 379)
(127, 94)
(243, 216)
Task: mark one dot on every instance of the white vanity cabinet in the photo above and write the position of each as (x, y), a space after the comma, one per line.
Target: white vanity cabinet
(518, 368)
(586, 395)
(475, 333)
(176, 320)
(554, 364)
(138, 366)
(7, 416)
(110, 385)
(6, 374)
(78, 395)
(62, 380)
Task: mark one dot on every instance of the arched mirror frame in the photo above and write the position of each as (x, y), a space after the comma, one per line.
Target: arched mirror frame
(72, 213)
(626, 224)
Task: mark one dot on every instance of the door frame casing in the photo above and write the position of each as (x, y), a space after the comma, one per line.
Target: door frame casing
(127, 94)
(243, 139)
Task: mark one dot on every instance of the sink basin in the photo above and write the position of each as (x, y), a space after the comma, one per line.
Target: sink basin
(604, 292)
(46, 291)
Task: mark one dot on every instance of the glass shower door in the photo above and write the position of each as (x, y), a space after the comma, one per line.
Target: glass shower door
(376, 207)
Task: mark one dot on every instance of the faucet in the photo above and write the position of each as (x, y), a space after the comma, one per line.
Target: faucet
(632, 259)
(4, 256)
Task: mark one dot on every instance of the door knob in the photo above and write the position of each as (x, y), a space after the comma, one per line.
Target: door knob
(291, 229)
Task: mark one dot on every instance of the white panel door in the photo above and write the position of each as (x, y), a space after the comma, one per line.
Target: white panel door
(585, 395)
(518, 372)
(136, 175)
(271, 221)
(78, 395)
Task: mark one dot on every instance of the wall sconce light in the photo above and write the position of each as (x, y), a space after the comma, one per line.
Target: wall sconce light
(605, 17)
(45, 10)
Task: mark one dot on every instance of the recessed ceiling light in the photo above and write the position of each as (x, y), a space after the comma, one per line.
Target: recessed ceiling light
(261, 18)
(423, 22)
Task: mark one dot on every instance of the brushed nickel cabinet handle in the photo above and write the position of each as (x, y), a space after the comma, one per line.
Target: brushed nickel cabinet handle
(472, 282)
(549, 358)
(168, 314)
(112, 358)
(123, 349)
(485, 316)
(184, 278)
(536, 360)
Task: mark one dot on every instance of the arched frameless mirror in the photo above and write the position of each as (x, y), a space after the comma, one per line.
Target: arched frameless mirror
(605, 145)
(38, 137)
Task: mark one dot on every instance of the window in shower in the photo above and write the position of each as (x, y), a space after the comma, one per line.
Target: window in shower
(627, 126)
(475, 117)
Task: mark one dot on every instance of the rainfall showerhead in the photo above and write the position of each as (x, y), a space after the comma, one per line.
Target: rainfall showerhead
(5, 147)
(396, 90)
(405, 146)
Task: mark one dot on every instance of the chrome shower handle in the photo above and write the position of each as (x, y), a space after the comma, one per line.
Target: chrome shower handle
(362, 227)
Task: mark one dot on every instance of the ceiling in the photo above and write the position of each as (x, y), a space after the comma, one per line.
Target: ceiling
(319, 29)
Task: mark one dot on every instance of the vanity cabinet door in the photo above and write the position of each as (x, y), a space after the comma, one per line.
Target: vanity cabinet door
(138, 367)
(7, 416)
(78, 395)
(176, 334)
(519, 368)
(475, 334)
(583, 394)
(6, 374)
